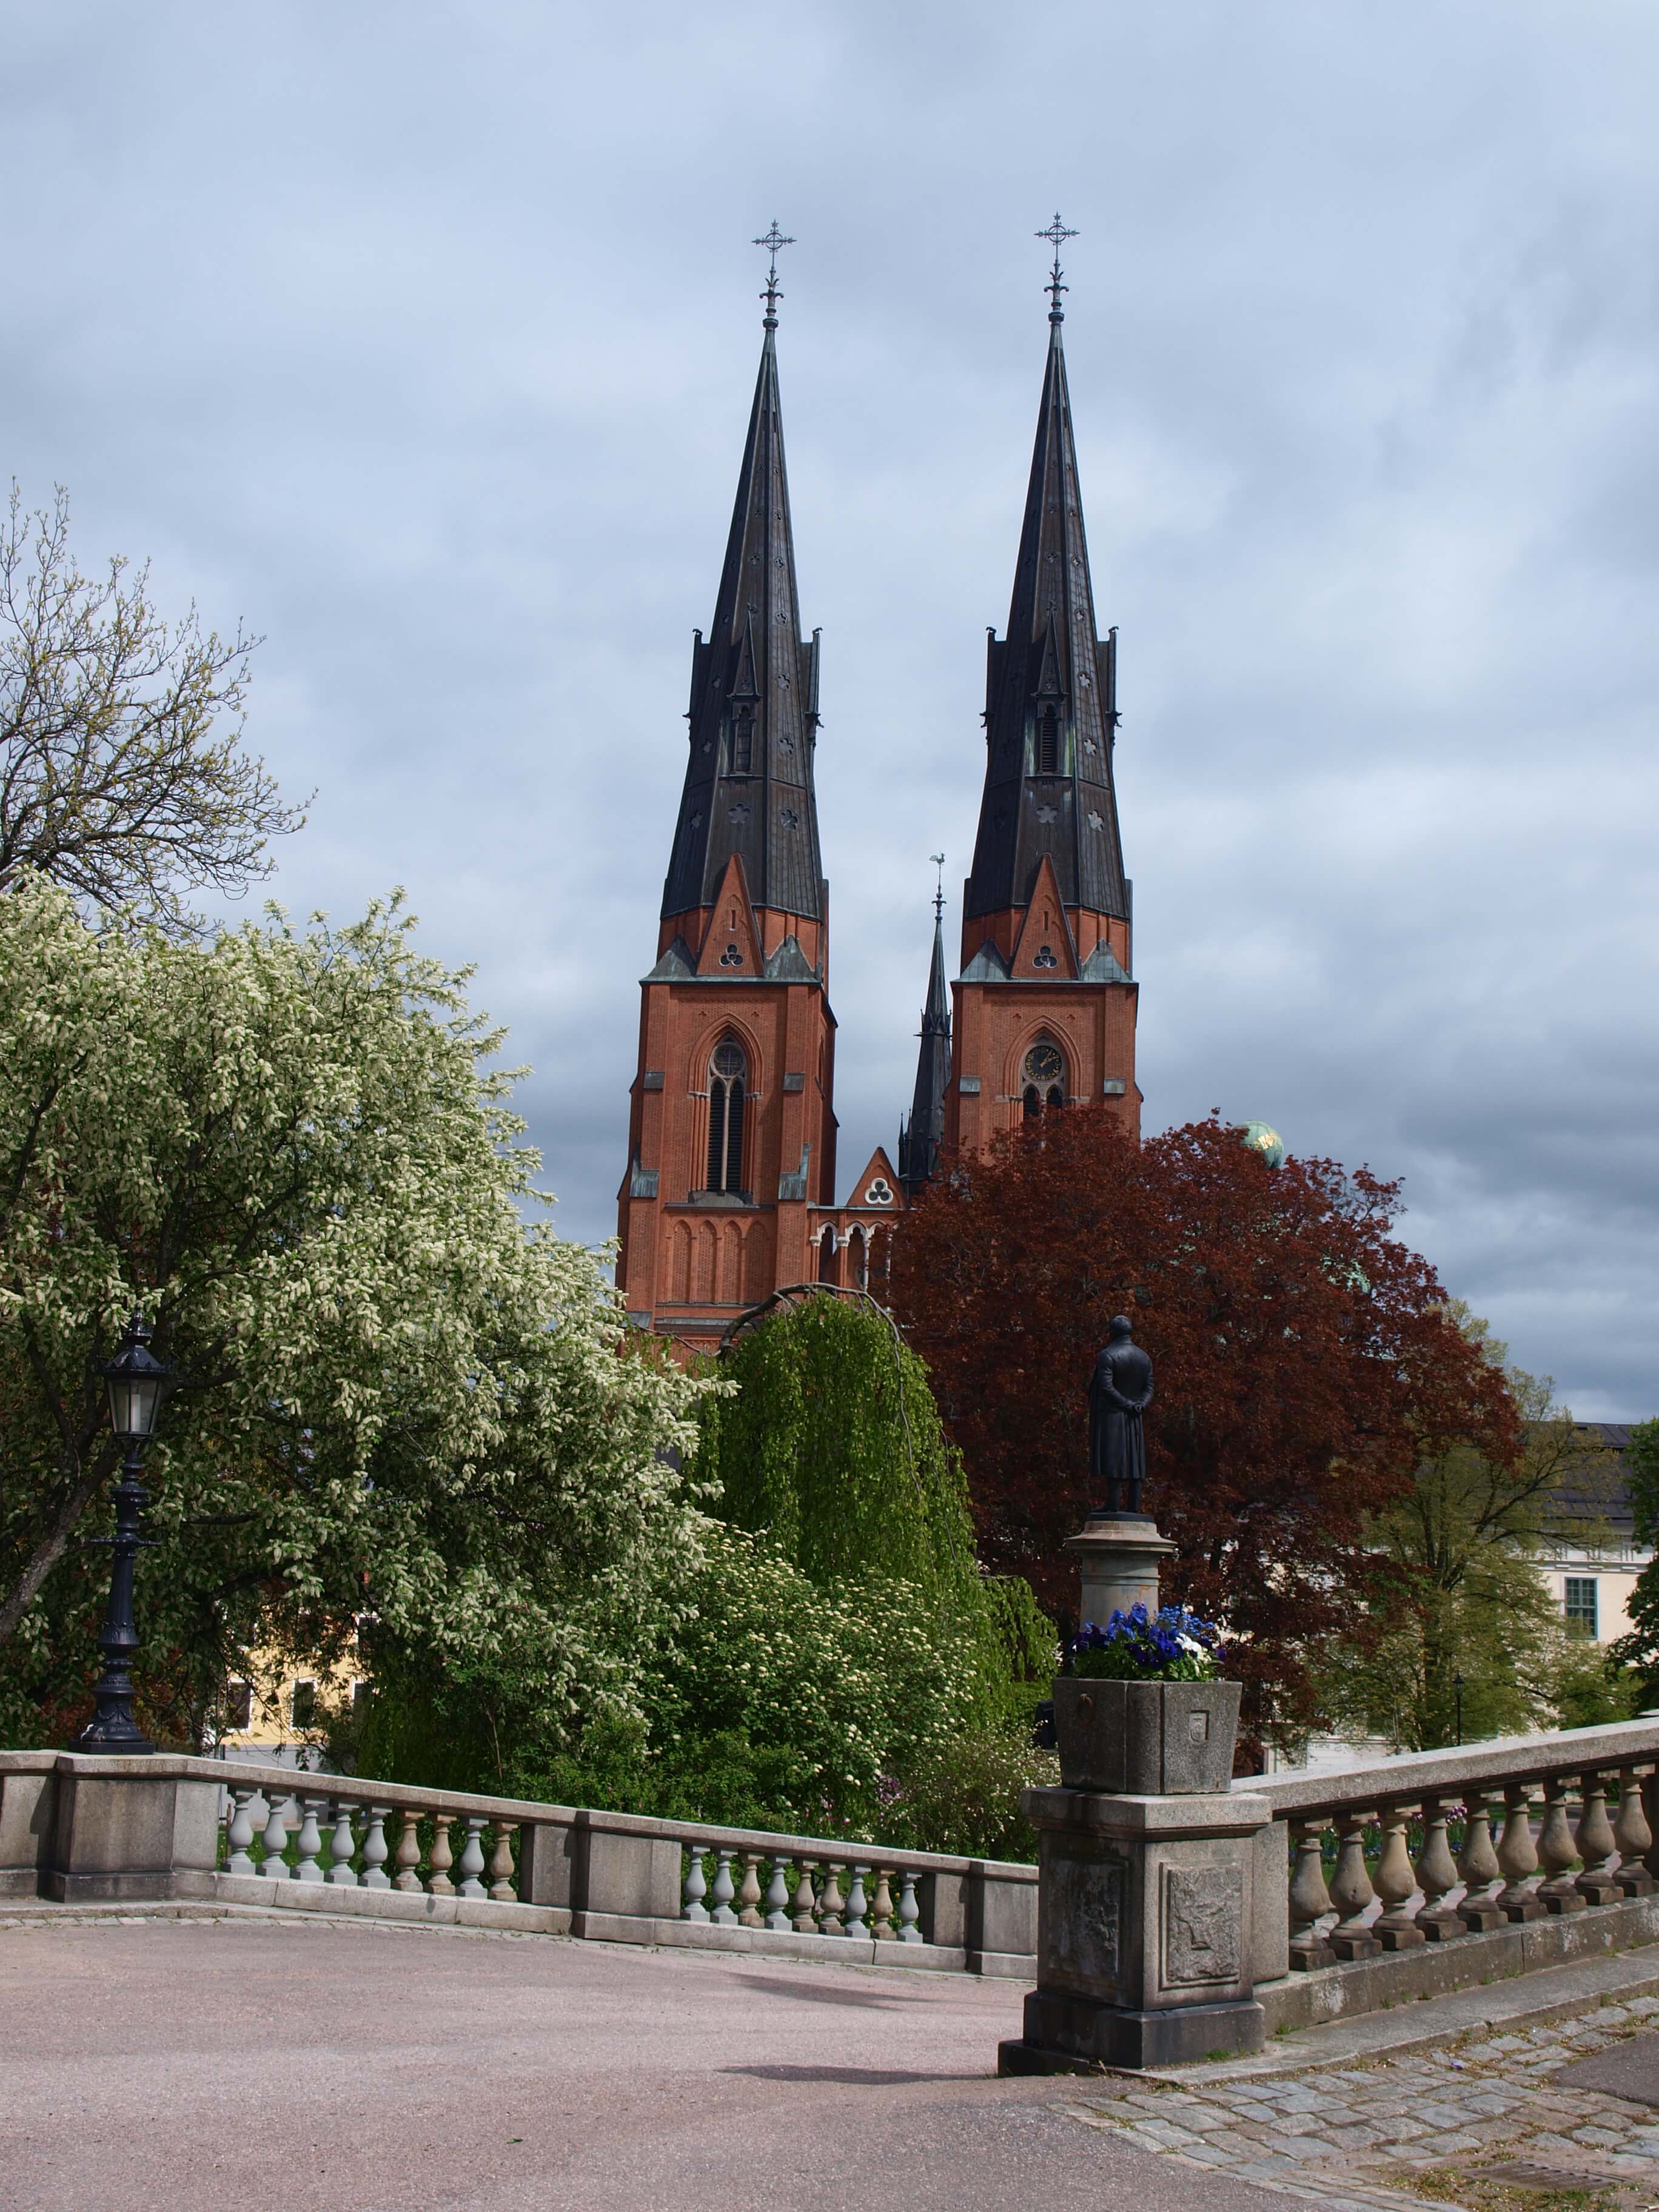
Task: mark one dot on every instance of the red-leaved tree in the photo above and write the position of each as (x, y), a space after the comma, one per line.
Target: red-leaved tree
(1304, 1364)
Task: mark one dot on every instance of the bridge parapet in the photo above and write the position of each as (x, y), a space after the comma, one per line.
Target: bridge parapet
(81, 1829)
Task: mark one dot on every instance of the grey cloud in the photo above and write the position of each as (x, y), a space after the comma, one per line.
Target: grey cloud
(423, 339)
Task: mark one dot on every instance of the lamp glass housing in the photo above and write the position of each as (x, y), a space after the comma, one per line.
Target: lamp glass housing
(135, 1399)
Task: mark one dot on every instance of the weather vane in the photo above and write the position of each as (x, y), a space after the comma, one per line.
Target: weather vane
(1056, 234)
(938, 859)
(773, 238)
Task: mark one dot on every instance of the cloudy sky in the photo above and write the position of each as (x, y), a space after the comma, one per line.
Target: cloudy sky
(421, 338)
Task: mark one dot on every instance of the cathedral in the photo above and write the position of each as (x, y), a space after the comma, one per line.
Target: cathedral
(729, 1191)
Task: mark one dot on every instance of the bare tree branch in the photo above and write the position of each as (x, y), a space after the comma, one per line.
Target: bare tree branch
(123, 772)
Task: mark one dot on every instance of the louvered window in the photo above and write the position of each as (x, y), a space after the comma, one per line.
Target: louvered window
(726, 1073)
(1048, 744)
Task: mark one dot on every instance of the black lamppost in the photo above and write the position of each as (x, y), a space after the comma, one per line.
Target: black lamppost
(137, 1382)
(1457, 1687)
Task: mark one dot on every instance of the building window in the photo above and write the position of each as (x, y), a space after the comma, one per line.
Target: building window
(239, 1704)
(827, 1270)
(1579, 1596)
(1043, 1078)
(305, 1705)
(743, 740)
(726, 1072)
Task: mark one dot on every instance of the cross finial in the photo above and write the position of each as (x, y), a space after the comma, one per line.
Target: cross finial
(1056, 234)
(773, 240)
(938, 859)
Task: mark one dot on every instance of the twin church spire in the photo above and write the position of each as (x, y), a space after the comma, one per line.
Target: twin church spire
(729, 1194)
(754, 712)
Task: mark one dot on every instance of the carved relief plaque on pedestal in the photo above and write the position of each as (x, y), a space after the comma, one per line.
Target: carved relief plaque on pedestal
(1203, 1920)
(1083, 1924)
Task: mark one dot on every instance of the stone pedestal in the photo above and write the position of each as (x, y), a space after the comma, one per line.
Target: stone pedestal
(1147, 1935)
(1118, 1556)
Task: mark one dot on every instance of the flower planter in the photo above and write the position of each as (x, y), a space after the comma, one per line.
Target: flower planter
(1145, 1738)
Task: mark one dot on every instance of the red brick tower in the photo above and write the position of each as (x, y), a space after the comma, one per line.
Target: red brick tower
(731, 1136)
(1045, 1011)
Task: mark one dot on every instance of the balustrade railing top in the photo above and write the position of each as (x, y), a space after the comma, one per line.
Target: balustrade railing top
(1445, 1774)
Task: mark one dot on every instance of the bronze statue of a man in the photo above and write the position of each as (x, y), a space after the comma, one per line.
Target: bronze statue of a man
(1119, 1391)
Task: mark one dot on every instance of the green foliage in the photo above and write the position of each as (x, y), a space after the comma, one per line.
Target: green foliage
(290, 1148)
(831, 1444)
(1455, 1590)
(964, 1796)
(762, 1700)
(1640, 1649)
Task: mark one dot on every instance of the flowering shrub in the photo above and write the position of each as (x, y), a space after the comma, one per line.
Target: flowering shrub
(1172, 1645)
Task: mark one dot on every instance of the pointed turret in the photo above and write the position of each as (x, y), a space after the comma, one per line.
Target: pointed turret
(1050, 696)
(753, 714)
(921, 1136)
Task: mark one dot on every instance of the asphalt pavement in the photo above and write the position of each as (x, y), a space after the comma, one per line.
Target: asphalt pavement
(176, 2065)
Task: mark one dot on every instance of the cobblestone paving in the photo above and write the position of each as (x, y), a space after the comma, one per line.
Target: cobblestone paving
(1360, 2135)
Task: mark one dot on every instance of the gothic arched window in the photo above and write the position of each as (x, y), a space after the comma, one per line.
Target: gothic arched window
(727, 1071)
(1043, 1077)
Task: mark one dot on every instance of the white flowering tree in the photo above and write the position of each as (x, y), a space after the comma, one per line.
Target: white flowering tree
(289, 1148)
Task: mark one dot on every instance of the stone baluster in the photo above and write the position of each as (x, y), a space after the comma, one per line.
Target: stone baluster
(503, 1883)
(1350, 1890)
(1651, 1811)
(440, 1857)
(1310, 1899)
(1517, 1857)
(408, 1876)
(472, 1858)
(749, 1891)
(1437, 1877)
(1597, 1884)
(697, 1887)
(1478, 1864)
(910, 1912)
(1558, 1891)
(806, 1921)
(855, 1923)
(342, 1848)
(1633, 1835)
(830, 1901)
(777, 1897)
(238, 1833)
(273, 1837)
(374, 1874)
(309, 1841)
(1395, 1928)
(723, 1916)
(881, 1907)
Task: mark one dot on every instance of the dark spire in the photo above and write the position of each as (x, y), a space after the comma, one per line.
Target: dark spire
(754, 689)
(1050, 688)
(920, 1136)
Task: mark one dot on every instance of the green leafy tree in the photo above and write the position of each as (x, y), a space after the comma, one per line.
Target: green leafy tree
(290, 1149)
(1471, 1626)
(1640, 1649)
(123, 772)
(836, 1662)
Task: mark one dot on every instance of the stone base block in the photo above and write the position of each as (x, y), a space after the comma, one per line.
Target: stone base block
(1563, 1900)
(1445, 1927)
(1599, 1888)
(1635, 1882)
(105, 1888)
(1480, 1914)
(1401, 1939)
(1355, 1946)
(1522, 1910)
(1082, 2029)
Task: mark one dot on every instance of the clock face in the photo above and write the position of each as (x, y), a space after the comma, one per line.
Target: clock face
(1043, 1064)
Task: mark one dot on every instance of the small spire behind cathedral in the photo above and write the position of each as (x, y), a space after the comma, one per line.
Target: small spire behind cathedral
(773, 240)
(1056, 235)
(920, 1136)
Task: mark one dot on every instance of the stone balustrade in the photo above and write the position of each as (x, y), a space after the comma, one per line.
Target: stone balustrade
(79, 1829)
